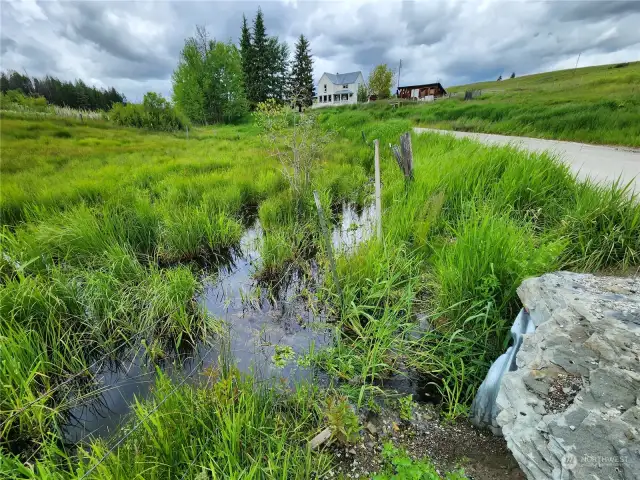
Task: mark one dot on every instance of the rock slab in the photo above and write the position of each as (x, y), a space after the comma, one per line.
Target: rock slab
(571, 410)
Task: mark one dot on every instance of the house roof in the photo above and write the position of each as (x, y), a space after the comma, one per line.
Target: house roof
(342, 78)
(343, 91)
(422, 85)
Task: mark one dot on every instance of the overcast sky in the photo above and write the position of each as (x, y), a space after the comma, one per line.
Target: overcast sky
(134, 46)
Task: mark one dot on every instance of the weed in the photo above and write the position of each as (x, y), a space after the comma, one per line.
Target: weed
(342, 420)
(406, 407)
(399, 466)
(283, 354)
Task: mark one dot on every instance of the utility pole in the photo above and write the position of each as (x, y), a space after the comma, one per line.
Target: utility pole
(574, 70)
(399, 67)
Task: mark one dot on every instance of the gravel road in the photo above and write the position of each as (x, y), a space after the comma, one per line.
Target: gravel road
(599, 162)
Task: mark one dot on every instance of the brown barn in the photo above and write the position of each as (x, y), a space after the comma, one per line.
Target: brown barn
(422, 91)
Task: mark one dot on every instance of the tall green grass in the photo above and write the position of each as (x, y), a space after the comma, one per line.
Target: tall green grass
(458, 241)
(227, 427)
(99, 226)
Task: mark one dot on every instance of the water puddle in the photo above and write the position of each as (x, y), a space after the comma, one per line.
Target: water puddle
(264, 335)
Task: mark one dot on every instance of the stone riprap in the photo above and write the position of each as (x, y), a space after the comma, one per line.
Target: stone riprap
(571, 410)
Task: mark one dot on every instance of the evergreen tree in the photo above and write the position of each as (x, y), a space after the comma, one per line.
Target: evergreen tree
(259, 71)
(513, 75)
(56, 92)
(246, 52)
(302, 87)
(278, 72)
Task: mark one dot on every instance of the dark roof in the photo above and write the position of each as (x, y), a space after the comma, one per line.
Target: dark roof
(342, 78)
(423, 85)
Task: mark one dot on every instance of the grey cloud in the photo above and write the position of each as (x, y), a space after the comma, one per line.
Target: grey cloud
(595, 10)
(429, 24)
(134, 46)
(7, 44)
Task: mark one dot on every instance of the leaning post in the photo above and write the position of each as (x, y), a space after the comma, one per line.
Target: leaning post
(407, 155)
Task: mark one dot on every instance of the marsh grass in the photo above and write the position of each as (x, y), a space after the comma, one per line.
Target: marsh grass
(100, 228)
(100, 231)
(227, 426)
(458, 241)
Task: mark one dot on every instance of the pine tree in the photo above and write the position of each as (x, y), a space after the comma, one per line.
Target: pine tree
(302, 86)
(278, 69)
(246, 53)
(259, 71)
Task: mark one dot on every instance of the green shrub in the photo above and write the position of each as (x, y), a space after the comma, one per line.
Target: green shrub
(154, 113)
(399, 466)
(16, 100)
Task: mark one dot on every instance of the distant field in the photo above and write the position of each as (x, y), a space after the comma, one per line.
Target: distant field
(593, 105)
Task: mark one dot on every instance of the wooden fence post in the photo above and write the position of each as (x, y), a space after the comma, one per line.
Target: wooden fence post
(407, 155)
(376, 144)
(327, 238)
(404, 156)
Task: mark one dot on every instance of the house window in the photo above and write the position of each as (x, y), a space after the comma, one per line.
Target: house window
(325, 88)
(345, 86)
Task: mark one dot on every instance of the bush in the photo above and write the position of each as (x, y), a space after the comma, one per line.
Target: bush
(16, 100)
(154, 113)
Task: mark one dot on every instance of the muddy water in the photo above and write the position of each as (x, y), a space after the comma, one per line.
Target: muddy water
(255, 325)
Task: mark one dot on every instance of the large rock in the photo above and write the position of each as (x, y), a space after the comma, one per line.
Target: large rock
(571, 410)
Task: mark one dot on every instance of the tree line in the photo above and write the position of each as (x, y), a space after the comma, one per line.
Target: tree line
(220, 82)
(62, 93)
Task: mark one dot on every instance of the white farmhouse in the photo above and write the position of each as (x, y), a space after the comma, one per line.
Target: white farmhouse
(338, 89)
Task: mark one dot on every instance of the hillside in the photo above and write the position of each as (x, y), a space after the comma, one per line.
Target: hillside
(615, 82)
(598, 105)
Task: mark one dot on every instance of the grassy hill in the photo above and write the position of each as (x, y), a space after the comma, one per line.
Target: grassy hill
(593, 105)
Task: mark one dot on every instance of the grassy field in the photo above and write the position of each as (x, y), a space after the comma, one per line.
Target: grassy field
(102, 228)
(592, 105)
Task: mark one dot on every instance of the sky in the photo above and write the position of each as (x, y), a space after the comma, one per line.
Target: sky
(134, 46)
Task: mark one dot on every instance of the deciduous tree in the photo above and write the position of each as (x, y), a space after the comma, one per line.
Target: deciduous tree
(363, 93)
(208, 82)
(380, 81)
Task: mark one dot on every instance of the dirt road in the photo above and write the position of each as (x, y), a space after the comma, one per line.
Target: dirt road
(601, 163)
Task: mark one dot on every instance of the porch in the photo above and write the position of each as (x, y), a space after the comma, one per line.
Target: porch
(337, 98)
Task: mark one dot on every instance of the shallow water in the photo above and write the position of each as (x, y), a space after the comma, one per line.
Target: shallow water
(255, 325)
